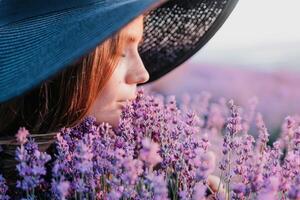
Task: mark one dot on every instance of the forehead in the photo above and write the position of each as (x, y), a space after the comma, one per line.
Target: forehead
(134, 29)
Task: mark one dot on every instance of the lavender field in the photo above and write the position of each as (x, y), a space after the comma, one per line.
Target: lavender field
(276, 92)
(187, 142)
(197, 151)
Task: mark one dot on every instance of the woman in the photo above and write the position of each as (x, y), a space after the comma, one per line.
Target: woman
(71, 59)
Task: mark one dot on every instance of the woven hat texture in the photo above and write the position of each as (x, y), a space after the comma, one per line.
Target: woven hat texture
(38, 40)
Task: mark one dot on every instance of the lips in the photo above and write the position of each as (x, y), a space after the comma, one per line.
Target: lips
(122, 104)
(129, 99)
(124, 101)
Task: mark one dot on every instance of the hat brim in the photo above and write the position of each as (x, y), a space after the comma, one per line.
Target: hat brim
(177, 30)
(34, 49)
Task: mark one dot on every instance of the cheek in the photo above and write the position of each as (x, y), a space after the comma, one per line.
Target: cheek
(105, 108)
(106, 97)
(111, 90)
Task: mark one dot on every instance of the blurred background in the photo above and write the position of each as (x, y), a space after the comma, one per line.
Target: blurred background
(254, 54)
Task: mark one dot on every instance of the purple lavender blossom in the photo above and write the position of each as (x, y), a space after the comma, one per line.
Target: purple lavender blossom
(160, 150)
(199, 192)
(270, 189)
(83, 156)
(238, 191)
(3, 189)
(294, 191)
(216, 117)
(296, 142)
(22, 135)
(133, 169)
(149, 153)
(248, 116)
(234, 121)
(288, 128)
(206, 162)
(159, 187)
(31, 161)
(114, 195)
(263, 134)
(60, 189)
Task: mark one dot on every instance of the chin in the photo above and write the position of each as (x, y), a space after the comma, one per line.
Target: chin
(112, 118)
(115, 123)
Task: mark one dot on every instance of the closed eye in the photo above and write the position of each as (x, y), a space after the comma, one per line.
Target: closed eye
(134, 40)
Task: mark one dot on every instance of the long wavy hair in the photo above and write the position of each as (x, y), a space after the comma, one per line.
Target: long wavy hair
(64, 99)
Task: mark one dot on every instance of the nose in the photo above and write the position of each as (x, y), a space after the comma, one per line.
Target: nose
(139, 73)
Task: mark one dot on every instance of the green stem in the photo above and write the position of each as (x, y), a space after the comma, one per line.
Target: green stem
(80, 194)
(33, 196)
(27, 194)
(219, 185)
(228, 173)
(94, 194)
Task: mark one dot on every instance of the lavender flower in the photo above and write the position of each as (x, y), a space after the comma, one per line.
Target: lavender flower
(149, 153)
(159, 151)
(206, 165)
(22, 135)
(248, 116)
(199, 192)
(288, 128)
(234, 121)
(233, 127)
(31, 165)
(239, 191)
(159, 187)
(295, 142)
(60, 189)
(263, 134)
(270, 189)
(133, 169)
(114, 195)
(83, 155)
(294, 192)
(3, 189)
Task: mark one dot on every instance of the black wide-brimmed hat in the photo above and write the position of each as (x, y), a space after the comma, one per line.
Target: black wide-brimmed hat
(40, 38)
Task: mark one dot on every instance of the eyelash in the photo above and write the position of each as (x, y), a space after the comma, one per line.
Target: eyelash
(123, 55)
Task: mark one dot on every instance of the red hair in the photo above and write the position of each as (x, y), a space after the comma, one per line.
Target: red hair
(64, 99)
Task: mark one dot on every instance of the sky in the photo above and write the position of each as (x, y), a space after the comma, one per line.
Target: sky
(259, 34)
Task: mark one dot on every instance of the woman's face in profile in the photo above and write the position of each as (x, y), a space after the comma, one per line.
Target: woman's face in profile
(122, 84)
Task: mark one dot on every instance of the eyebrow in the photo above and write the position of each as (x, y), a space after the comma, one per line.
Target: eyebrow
(133, 38)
